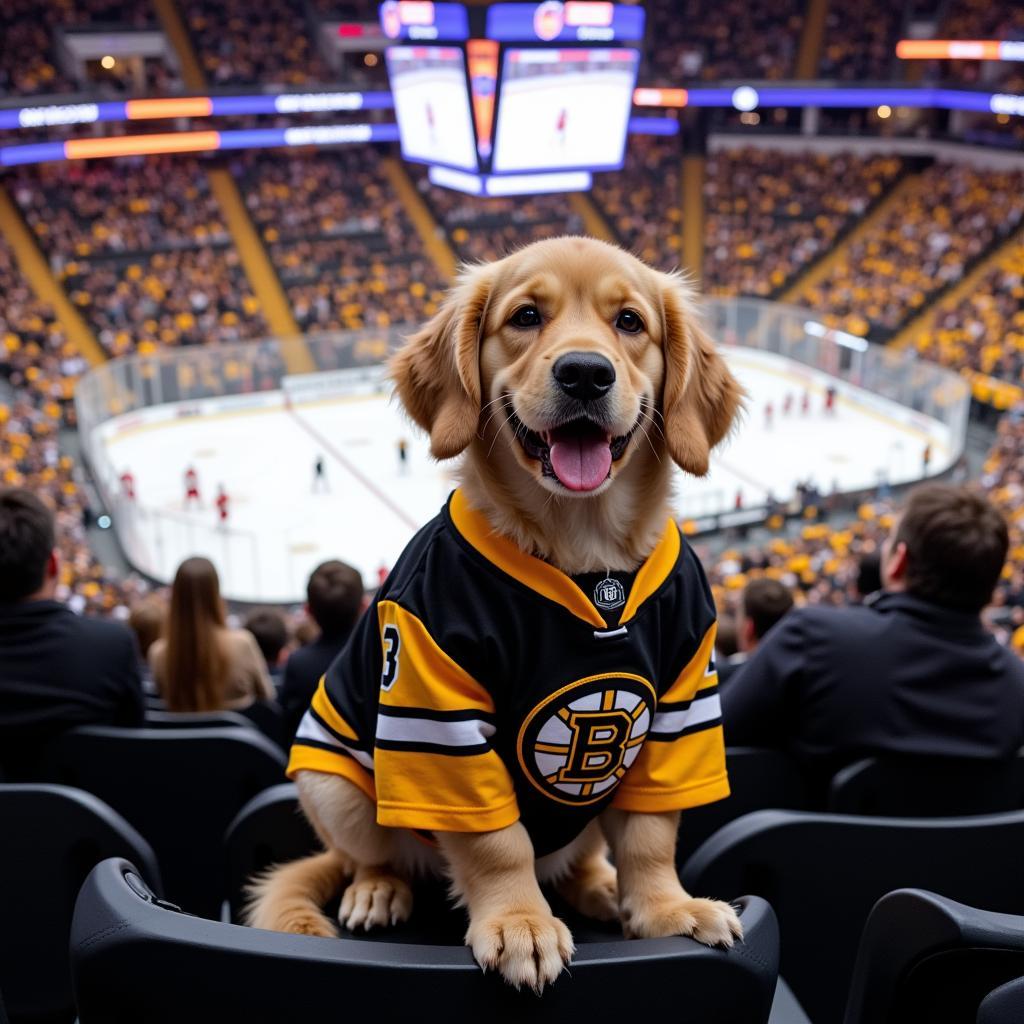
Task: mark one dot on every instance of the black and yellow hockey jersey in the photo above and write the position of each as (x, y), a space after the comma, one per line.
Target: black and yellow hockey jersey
(483, 686)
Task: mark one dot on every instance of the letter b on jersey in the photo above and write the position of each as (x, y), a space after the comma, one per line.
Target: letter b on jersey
(598, 745)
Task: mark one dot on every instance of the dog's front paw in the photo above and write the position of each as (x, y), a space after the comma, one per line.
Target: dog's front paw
(375, 901)
(709, 921)
(527, 948)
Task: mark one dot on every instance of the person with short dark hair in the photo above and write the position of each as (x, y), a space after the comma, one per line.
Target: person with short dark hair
(912, 671)
(270, 629)
(57, 669)
(334, 600)
(763, 603)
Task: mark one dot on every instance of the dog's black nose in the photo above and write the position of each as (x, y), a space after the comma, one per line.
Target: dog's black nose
(584, 375)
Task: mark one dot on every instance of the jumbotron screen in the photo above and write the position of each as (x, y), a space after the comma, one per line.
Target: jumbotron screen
(432, 105)
(562, 109)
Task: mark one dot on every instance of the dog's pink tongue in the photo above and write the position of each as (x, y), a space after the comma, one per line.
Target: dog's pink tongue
(581, 463)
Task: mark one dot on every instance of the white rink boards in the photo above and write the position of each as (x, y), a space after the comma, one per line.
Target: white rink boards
(279, 528)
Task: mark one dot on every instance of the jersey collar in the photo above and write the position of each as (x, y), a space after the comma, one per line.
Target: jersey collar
(552, 583)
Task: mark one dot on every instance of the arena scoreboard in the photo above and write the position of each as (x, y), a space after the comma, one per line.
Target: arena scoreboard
(513, 98)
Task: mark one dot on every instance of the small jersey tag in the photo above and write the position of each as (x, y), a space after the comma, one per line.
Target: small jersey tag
(609, 594)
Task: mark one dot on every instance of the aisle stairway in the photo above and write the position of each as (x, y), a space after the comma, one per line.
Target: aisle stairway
(812, 39)
(34, 266)
(259, 270)
(691, 182)
(594, 223)
(431, 234)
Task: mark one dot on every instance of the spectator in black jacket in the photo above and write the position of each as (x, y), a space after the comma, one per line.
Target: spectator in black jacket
(57, 670)
(334, 600)
(913, 671)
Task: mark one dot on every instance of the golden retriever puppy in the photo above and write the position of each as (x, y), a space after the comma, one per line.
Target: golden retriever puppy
(535, 680)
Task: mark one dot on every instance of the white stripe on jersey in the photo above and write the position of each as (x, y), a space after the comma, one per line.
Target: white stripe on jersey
(469, 733)
(701, 709)
(311, 729)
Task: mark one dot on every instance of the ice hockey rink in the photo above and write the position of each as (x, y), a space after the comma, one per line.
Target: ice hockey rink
(279, 527)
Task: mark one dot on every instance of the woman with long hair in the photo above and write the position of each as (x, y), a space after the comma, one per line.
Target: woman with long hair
(199, 664)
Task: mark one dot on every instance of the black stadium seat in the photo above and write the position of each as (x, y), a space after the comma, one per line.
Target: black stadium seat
(195, 720)
(51, 837)
(822, 874)
(923, 957)
(134, 962)
(922, 787)
(1003, 1006)
(179, 787)
(759, 780)
(268, 717)
(269, 829)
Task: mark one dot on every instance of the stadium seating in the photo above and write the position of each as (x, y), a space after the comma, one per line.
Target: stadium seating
(179, 787)
(126, 949)
(927, 787)
(53, 836)
(822, 873)
(160, 719)
(758, 780)
(1004, 1005)
(269, 829)
(924, 957)
(268, 717)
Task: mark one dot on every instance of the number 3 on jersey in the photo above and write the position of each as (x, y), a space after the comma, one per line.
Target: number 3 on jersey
(392, 642)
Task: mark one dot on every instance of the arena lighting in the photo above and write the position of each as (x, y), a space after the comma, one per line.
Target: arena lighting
(884, 111)
(745, 98)
(959, 49)
(104, 522)
(659, 97)
(107, 62)
(653, 126)
(816, 330)
(196, 142)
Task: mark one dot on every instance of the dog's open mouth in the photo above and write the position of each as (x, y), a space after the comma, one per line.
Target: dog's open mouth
(578, 454)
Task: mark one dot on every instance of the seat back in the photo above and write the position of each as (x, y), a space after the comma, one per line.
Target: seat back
(195, 720)
(759, 780)
(52, 837)
(179, 787)
(1003, 1006)
(925, 957)
(269, 829)
(268, 717)
(822, 874)
(129, 954)
(928, 787)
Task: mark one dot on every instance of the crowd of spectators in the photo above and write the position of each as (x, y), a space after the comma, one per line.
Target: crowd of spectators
(240, 42)
(142, 249)
(770, 213)
(696, 40)
(338, 235)
(859, 42)
(951, 217)
(983, 330)
(486, 229)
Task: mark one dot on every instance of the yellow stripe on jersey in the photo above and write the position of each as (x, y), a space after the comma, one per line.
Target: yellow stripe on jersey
(444, 793)
(695, 675)
(426, 677)
(315, 759)
(653, 572)
(330, 714)
(688, 772)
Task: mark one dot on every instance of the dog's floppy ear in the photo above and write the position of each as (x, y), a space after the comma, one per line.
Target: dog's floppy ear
(437, 372)
(701, 397)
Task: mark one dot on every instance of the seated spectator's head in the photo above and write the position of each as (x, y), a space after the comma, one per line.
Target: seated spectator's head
(334, 597)
(869, 575)
(725, 637)
(28, 559)
(271, 631)
(147, 618)
(196, 666)
(948, 547)
(764, 602)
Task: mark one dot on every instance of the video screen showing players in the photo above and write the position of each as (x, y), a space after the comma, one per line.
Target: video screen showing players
(432, 105)
(564, 109)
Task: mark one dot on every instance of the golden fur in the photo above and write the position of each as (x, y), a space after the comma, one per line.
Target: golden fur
(460, 378)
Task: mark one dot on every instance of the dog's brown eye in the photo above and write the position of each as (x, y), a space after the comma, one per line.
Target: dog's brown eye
(527, 316)
(629, 321)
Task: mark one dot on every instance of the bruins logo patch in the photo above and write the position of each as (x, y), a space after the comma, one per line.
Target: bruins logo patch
(578, 743)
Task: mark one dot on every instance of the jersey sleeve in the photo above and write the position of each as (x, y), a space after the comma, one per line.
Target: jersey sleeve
(682, 762)
(435, 765)
(335, 735)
